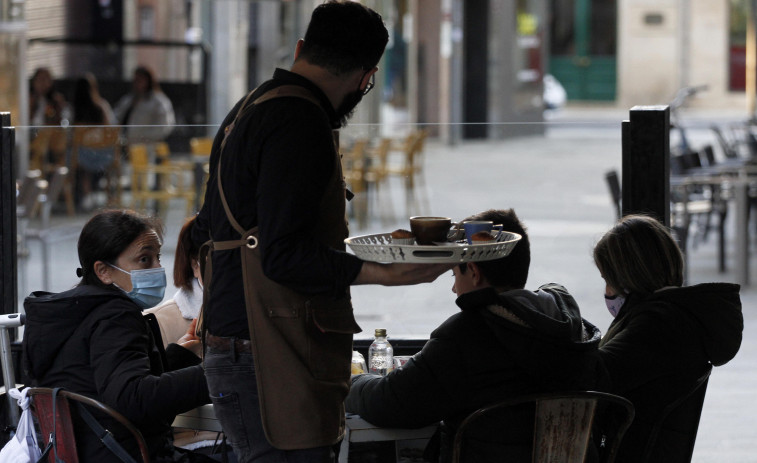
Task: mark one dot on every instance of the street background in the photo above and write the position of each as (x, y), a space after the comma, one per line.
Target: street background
(555, 183)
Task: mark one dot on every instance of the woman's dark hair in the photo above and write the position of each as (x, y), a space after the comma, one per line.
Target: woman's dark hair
(106, 235)
(87, 107)
(344, 36)
(152, 83)
(186, 250)
(51, 91)
(511, 271)
(639, 255)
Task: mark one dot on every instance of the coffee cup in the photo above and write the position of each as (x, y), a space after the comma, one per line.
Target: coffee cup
(472, 227)
(428, 230)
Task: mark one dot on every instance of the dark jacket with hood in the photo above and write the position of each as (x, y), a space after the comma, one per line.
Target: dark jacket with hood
(96, 342)
(657, 348)
(499, 346)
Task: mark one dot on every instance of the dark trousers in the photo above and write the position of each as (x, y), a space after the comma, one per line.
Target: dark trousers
(233, 389)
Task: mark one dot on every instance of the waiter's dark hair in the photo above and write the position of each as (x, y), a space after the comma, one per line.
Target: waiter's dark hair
(106, 235)
(344, 36)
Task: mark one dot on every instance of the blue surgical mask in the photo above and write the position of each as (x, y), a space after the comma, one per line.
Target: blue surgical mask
(614, 304)
(147, 286)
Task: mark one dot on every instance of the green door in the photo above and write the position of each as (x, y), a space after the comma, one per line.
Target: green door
(583, 39)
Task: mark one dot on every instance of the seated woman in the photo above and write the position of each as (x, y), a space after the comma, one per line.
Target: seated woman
(175, 315)
(93, 339)
(665, 336)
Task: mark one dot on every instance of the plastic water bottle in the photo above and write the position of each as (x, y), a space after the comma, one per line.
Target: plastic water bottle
(380, 354)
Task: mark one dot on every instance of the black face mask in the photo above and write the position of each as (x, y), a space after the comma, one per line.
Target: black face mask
(345, 110)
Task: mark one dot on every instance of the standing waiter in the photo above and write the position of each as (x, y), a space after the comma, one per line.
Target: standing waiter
(278, 322)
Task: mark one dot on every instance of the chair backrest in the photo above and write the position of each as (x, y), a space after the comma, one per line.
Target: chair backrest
(613, 183)
(28, 193)
(42, 409)
(201, 146)
(562, 424)
(682, 416)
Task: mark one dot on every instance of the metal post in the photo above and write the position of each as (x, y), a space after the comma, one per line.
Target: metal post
(646, 162)
(742, 231)
(9, 377)
(8, 251)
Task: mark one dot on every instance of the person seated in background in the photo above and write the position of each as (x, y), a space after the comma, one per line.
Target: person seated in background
(47, 107)
(665, 336)
(506, 341)
(91, 109)
(93, 339)
(146, 108)
(176, 314)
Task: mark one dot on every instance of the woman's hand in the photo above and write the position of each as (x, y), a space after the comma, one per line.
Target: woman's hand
(190, 340)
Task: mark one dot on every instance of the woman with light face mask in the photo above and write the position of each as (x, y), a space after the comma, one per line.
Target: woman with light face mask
(94, 340)
(664, 337)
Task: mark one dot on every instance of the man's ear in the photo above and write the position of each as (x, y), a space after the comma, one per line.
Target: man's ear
(102, 270)
(475, 273)
(298, 48)
(367, 77)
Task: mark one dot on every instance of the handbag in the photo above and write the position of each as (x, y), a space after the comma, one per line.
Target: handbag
(23, 446)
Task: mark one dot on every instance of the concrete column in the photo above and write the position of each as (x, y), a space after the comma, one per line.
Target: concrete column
(228, 38)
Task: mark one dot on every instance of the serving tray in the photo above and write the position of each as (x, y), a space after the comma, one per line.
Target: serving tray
(379, 248)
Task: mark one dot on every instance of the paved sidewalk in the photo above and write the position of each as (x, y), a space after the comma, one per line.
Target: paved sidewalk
(556, 184)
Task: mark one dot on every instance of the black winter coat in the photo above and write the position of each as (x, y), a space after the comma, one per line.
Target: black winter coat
(95, 342)
(499, 346)
(656, 349)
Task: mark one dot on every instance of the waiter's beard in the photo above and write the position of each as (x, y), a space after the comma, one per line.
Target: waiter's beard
(345, 110)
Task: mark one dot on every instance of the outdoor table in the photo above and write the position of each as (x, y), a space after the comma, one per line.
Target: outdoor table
(202, 418)
(357, 429)
(738, 177)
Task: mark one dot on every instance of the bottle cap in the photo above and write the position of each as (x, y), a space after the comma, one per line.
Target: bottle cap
(380, 332)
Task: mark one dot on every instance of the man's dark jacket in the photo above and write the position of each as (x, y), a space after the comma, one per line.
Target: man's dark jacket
(499, 346)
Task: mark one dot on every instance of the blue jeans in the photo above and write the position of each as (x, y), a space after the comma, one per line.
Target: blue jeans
(233, 389)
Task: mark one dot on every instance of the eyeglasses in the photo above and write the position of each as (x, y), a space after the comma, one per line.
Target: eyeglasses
(370, 85)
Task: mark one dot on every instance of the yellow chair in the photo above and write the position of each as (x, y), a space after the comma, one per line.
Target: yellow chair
(354, 171)
(170, 180)
(201, 147)
(409, 167)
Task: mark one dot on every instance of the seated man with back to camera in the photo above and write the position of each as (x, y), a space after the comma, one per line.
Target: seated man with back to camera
(506, 341)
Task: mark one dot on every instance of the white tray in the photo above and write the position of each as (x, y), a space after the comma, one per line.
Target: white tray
(379, 248)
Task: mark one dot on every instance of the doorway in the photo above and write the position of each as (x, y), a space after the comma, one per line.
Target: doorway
(583, 48)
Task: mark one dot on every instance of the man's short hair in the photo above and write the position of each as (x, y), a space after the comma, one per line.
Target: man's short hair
(511, 271)
(344, 36)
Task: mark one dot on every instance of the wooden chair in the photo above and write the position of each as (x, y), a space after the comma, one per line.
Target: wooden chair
(201, 148)
(562, 424)
(47, 148)
(354, 171)
(42, 409)
(48, 194)
(409, 167)
(97, 149)
(170, 181)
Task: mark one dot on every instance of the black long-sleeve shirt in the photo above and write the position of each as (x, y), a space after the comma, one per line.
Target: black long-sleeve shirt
(274, 171)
